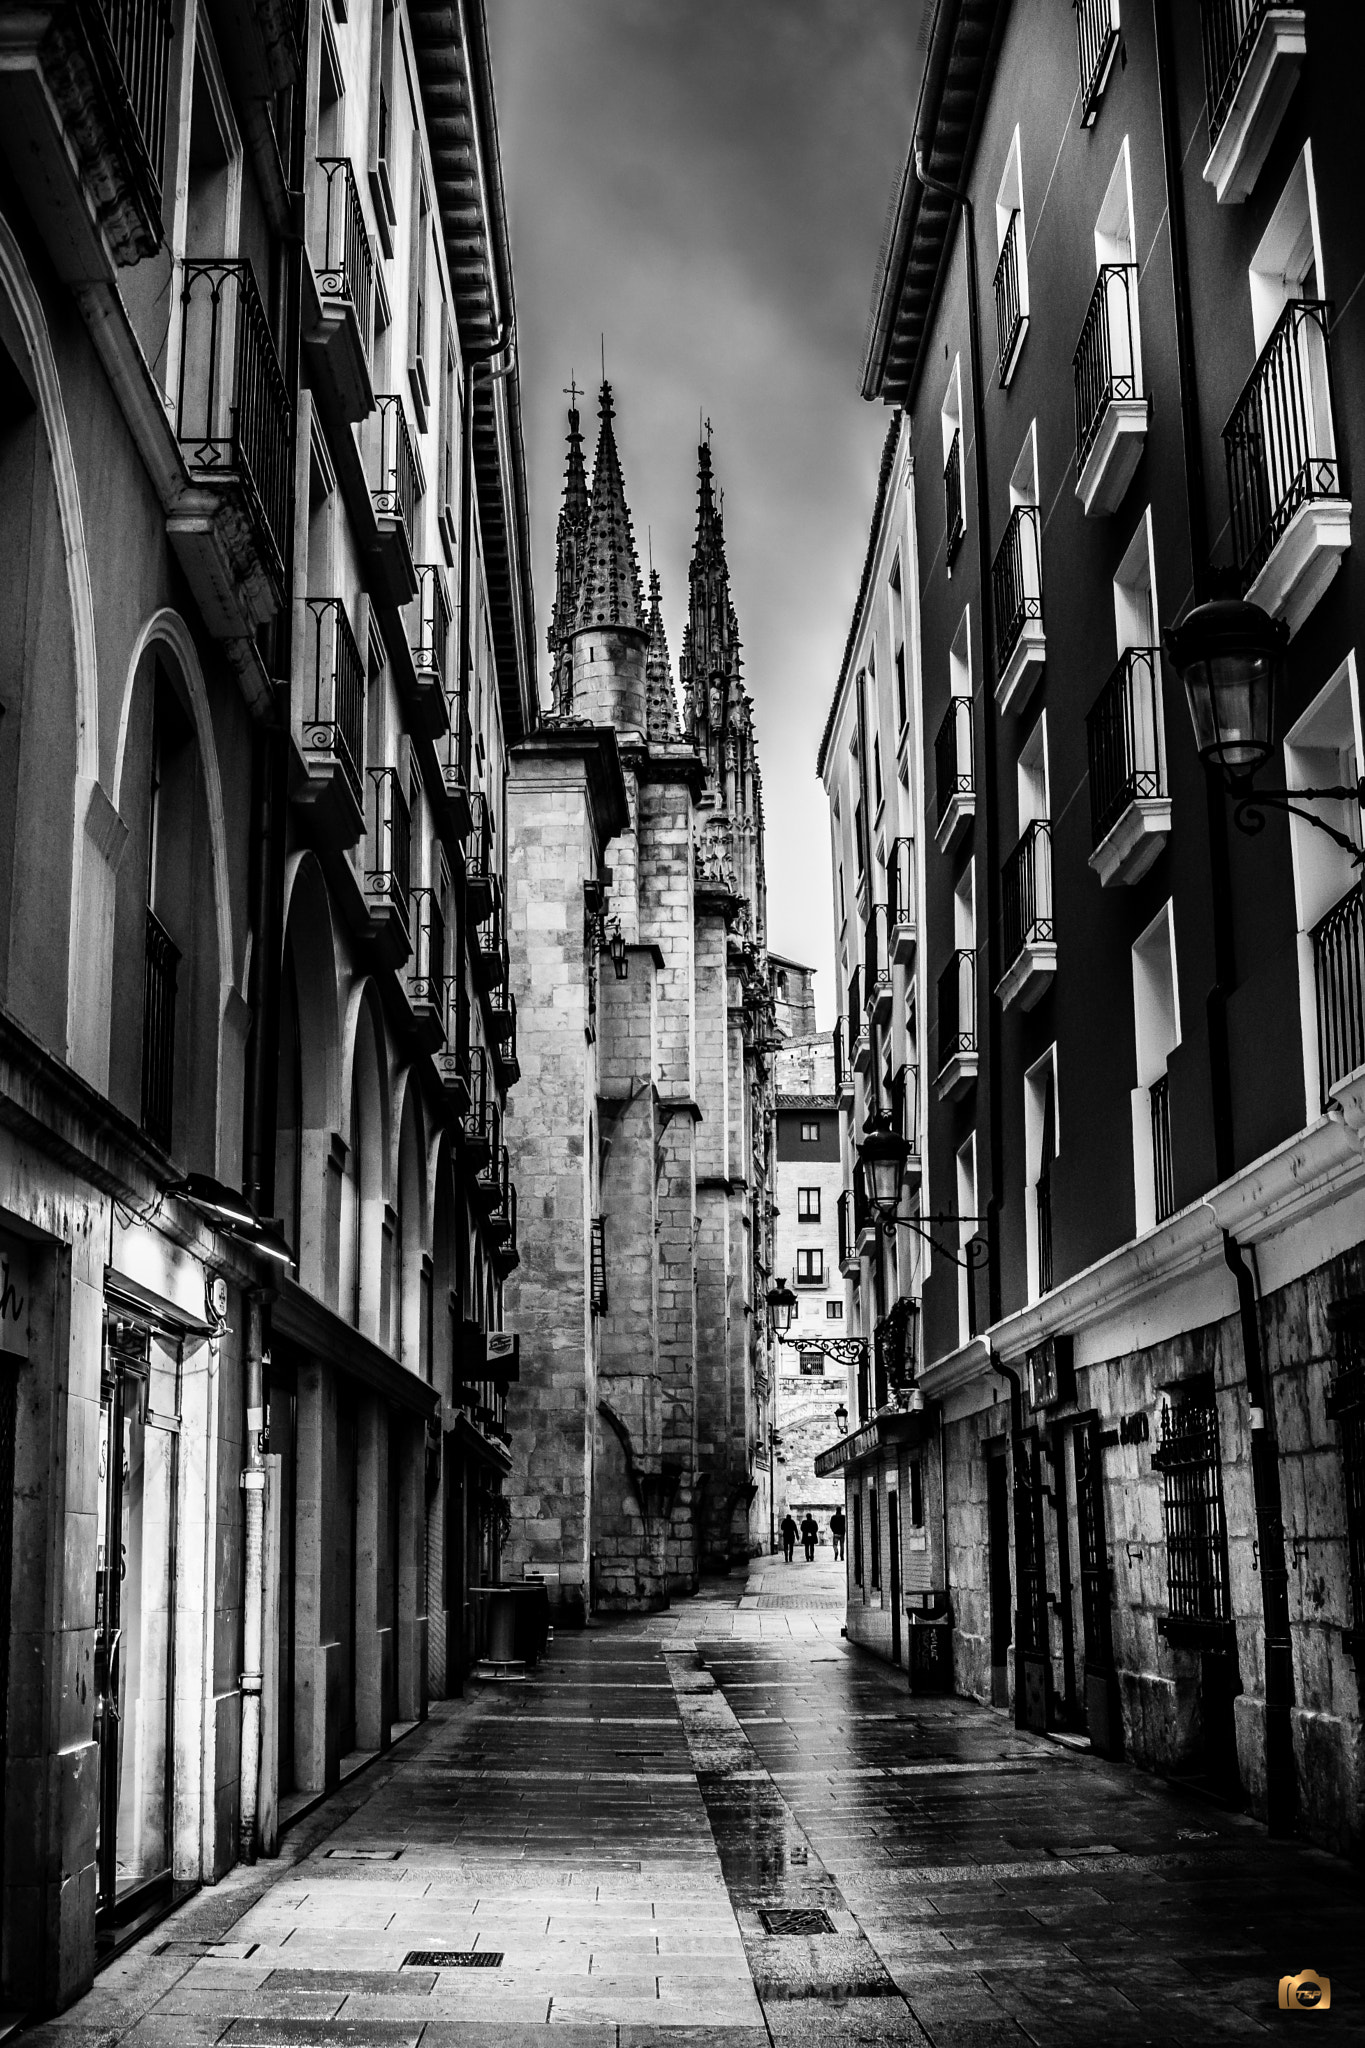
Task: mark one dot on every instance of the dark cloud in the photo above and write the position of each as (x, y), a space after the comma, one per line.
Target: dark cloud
(705, 182)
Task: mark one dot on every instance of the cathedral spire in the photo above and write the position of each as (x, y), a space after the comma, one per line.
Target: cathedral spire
(708, 664)
(569, 547)
(609, 593)
(661, 704)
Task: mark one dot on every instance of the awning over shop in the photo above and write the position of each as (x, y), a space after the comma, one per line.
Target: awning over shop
(896, 1426)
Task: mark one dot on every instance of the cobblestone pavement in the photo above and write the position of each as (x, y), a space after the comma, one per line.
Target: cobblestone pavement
(614, 1828)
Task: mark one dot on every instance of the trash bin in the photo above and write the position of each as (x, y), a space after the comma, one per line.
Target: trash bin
(931, 1654)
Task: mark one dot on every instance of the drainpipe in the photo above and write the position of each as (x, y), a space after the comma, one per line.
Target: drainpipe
(995, 1106)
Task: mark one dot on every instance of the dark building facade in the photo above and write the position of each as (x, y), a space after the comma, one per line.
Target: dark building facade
(1119, 308)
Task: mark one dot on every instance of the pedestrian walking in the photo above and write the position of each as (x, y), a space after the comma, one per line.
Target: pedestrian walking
(789, 1535)
(810, 1535)
(837, 1526)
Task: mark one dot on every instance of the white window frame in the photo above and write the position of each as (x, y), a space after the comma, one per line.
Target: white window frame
(1036, 1079)
(1322, 872)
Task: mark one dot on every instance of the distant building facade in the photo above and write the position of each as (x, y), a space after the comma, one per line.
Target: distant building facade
(1129, 377)
(793, 998)
(642, 1136)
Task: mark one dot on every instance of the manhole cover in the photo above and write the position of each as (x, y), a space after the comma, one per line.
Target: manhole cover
(796, 1920)
(452, 1958)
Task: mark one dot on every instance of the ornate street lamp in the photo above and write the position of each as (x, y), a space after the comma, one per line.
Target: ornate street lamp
(1230, 655)
(782, 1307)
(616, 946)
(841, 1418)
(881, 1157)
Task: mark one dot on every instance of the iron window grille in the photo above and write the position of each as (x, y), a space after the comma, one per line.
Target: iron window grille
(1105, 364)
(1163, 1173)
(347, 267)
(953, 771)
(1339, 972)
(1279, 440)
(1346, 1407)
(162, 959)
(599, 1265)
(1016, 582)
(336, 723)
(1026, 891)
(1123, 734)
(955, 525)
(1030, 1555)
(1096, 41)
(957, 1006)
(1009, 311)
(1190, 1464)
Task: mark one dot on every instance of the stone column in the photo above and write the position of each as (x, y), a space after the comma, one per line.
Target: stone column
(373, 1636)
(316, 1711)
(411, 1702)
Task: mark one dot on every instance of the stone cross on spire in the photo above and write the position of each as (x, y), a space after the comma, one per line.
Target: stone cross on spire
(661, 704)
(609, 593)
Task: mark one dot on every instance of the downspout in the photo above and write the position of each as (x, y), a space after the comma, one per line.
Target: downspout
(995, 1108)
(1281, 1775)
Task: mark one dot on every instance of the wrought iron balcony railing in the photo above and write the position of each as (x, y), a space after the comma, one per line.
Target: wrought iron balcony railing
(427, 975)
(900, 882)
(1339, 962)
(1096, 40)
(334, 690)
(954, 773)
(1105, 363)
(478, 1118)
(346, 268)
(1026, 891)
(857, 1025)
(1229, 33)
(876, 956)
(954, 525)
(1016, 581)
(161, 960)
(957, 1006)
(478, 857)
(1123, 733)
(841, 1066)
(1009, 311)
(130, 46)
(388, 872)
(233, 416)
(394, 481)
(431, 617)
(1163, 1169)
(895, 1349)
(1280, 442)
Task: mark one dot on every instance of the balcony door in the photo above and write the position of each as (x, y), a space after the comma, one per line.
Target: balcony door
(134, 1622)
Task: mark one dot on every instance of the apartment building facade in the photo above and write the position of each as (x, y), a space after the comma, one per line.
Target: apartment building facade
(247, 720)
(1118, 309)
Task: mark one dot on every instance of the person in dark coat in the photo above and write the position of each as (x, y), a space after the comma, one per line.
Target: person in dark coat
(837, 1526)
(810, 1535)
(789, 1535)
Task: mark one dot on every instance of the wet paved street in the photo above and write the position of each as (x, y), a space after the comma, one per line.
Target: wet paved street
(610, 1833)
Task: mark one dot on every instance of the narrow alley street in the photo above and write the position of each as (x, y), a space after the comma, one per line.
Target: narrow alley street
(610, 1846)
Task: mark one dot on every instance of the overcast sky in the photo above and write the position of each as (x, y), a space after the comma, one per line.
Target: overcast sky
(706, 182)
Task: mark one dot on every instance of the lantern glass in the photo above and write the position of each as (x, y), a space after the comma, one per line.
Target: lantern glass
(617, 948)
(882, 1157)
(1229, 655)
(782, 1306)
(841, 1417)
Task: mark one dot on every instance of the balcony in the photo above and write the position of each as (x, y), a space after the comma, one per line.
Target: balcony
(502, 1224)
(388, 857)
(1339, 972)
(1026, 915)
(857, 1024)
(234, 424)
(490, 953)
(476, 1134)
(843, 1070)
(900, 900)
(1111, 413)
(1017, 594)
(83, 92)
(848, 1257)
(1253, 50)
(958, 1054)
(1011, 318)
(395, 486)
(866, 1228)
(1290, 523)
(428, 620)
(954, 525)
(479, 881)
(160, 964)
(1097, 39)
(877, 989)
(954, 773)
(502, 1021)
(426, 977)
(1163, 1169)
(338, 314)
(451, 1060)
(331, 734)
(453, 752)
(905, 1120)
(1130, 812)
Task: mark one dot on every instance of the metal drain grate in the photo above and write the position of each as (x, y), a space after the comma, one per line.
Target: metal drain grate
(364, 1855)
(452, 1958)
(796, 1920)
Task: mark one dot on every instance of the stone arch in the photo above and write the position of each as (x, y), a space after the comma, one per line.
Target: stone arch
(448, 1258)
(308, 1084)
(363, 1269)
(412, 1287)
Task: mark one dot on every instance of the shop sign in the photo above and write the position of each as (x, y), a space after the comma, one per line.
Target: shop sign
(13, 1296)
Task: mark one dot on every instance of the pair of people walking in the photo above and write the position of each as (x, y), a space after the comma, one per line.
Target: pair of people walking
(809, 1532)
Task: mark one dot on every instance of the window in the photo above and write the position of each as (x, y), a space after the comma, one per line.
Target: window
(954, 498)
(877, 769)
(966, 1230)
(1040, 1147)
(1156, 1021)
(810, 1267)
(897, 607)
(810, 1134)
(834, 1311)
(874, 1539)
(916, 1493)
(382, 71)
(857, 1539)
(808, 1205)
(812, 1365)
(1188, 1460)
(1323, 749)
(1011, 273)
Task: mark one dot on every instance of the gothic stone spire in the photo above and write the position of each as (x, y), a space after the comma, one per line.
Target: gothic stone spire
(569, 546)
(609, 593)
(661, 703)
(708, 662)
